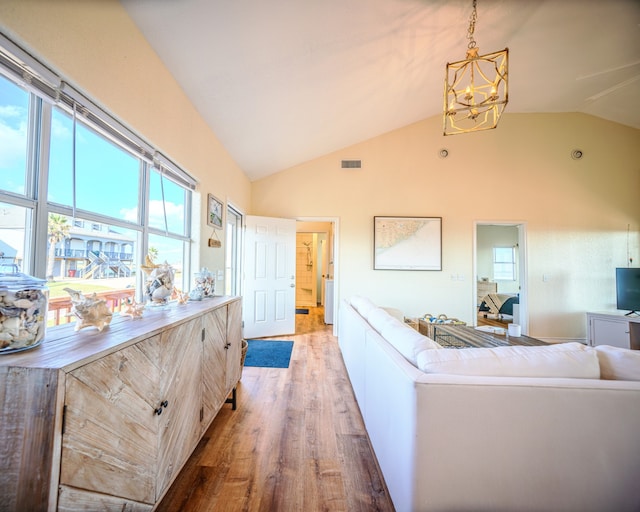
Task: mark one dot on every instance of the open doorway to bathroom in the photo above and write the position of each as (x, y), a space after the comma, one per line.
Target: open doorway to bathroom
(500, 289)
(316, 268)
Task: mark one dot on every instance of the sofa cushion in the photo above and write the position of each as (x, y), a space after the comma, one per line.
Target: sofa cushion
(362, 305)
(378, 318)
(618, 363)
(571, 360)
(407, 341)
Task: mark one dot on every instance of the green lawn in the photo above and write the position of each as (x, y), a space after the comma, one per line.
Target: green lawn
(56, 288)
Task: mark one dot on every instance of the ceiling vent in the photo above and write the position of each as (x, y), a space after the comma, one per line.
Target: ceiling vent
(352, 164)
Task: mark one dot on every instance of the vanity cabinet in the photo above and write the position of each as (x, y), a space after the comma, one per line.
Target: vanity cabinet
(115, 415)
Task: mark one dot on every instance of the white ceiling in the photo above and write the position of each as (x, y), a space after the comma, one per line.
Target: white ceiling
(281, 82)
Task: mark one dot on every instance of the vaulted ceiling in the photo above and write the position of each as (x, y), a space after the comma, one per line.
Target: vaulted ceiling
(281, 82)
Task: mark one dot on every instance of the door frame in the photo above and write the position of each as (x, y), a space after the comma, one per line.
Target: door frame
(522, 268)
(336, 262)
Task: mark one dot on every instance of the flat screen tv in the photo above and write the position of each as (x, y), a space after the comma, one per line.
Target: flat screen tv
(628, 289)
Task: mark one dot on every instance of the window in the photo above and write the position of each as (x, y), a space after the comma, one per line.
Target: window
(107, 177)
(13, 220)
(504, 263)
(14, 121)
(167, 200)
(110, 200)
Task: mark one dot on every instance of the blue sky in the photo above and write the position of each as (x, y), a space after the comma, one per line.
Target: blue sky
(107, 177)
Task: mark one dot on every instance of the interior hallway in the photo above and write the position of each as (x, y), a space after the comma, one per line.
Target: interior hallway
(296, 441)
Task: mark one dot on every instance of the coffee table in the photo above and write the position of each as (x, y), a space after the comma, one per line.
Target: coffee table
(463, 336)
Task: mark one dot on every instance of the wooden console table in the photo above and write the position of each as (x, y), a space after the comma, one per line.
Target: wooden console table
(462, 336)
(105, 420)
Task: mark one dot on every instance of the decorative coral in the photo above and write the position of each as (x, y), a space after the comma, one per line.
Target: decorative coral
(132, 309)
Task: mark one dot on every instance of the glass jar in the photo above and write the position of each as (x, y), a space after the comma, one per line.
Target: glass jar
(23, 312)
(205, 283)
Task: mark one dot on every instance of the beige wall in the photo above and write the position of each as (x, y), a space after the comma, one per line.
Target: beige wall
(96, 47)
(576, 211)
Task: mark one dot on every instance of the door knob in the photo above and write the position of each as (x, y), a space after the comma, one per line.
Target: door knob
(292, 285)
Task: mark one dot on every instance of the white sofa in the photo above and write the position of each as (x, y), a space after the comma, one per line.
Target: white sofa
(453, 439)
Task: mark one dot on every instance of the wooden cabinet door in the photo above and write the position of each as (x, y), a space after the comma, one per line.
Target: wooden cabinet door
(234, 344)
(110, 438)
(180, 353)
(214, 325)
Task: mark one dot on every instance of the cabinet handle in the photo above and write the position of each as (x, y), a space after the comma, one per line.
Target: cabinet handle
(158, 410)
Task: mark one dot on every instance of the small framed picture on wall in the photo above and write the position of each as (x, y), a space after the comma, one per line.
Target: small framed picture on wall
(214, 211)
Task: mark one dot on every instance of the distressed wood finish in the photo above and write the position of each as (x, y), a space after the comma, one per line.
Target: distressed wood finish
(297, 442)
(234, 341)
(27, 411)
(213, 363)
(111, 434)
(180, 382)
(115, 453)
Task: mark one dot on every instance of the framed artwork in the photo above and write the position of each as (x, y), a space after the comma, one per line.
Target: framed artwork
(214, 211)
(407, 243)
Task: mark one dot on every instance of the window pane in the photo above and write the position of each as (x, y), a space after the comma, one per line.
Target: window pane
(107, 177)
(14, 116)
(89, 256)
(164, 249)
(503, 254)
(174, 200)
(13, 226)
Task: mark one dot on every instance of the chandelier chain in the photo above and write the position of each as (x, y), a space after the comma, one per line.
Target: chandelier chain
(472, 26)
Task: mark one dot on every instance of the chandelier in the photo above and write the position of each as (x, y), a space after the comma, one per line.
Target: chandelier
(475, 89)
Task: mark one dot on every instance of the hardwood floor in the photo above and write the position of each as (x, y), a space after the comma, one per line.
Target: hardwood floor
(296, 441)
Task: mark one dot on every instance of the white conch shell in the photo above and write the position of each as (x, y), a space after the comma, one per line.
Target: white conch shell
(23, 303)
(90, 311)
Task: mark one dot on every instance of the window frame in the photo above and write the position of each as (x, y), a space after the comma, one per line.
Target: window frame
(45, 90)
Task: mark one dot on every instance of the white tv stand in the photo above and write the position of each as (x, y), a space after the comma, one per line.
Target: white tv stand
(613, 328)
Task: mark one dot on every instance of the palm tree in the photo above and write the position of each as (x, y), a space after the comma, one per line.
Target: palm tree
(153, 253)
(57, 231)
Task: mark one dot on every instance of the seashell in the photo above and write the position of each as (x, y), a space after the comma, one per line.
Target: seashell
(90, 311)
(23, 303)
(11, 325)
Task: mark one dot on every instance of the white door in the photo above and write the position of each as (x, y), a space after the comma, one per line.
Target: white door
(270, 277)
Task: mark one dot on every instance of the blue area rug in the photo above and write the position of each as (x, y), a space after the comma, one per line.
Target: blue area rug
(302, 311)
(268, 353)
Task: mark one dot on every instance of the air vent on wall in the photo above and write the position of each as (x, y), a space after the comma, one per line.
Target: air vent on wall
(352, 164)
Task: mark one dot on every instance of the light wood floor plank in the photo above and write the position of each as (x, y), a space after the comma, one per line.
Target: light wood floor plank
(296, 441)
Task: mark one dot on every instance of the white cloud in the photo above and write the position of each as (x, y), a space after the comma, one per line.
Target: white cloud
(13, 143)
(11, 112)
(175, 214)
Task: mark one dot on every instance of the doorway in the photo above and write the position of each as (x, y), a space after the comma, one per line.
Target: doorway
(316, 265)
(500, 268)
